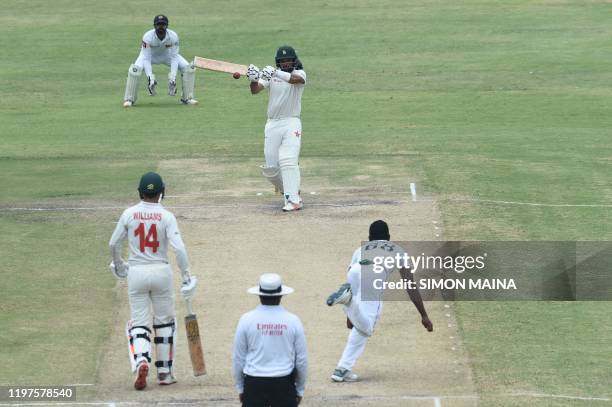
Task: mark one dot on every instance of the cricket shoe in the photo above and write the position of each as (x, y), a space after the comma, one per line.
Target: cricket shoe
(128, 103)
(190, 101)
(290, 206)
(165, 379)
(342, 296)
(344, 375)
(141, 376)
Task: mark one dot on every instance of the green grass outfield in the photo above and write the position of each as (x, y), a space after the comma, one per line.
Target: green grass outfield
(489, 100)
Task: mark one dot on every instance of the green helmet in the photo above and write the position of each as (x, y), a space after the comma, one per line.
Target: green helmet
(151, 183)
(287, 52)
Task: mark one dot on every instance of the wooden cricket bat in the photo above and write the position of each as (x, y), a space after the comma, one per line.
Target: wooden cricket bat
(219, 66)
(193, 339)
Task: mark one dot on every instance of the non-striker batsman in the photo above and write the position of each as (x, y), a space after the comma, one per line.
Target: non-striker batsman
(150, 228)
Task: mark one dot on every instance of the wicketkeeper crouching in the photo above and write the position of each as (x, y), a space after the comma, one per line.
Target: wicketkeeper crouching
(160, 46)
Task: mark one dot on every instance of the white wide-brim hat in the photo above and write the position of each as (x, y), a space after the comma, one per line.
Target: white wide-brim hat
(270, 285)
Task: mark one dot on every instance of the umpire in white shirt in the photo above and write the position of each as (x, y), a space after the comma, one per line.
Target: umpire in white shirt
(270, 361)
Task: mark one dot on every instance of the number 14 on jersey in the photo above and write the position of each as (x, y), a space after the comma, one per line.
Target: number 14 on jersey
(147, 238)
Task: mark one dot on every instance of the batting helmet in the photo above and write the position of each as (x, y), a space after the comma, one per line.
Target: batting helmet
(151, 184)
(285, 53)
(160, 19)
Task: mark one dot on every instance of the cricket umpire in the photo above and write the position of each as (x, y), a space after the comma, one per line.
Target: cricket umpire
(270, 360)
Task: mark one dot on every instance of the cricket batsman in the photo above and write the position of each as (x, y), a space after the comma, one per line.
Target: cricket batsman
(160, 46)
(283, 131)
(149, 229)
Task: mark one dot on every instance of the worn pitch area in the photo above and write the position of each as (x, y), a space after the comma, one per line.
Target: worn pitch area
(234, 235)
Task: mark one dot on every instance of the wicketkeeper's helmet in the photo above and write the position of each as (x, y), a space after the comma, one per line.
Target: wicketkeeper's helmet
(151, 183)
(160, 19)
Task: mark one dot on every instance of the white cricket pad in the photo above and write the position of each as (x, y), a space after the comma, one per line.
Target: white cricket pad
(290, 172)
(188, 82)
(131, 87)
(273, 174)
(139, 344)
(165, 342)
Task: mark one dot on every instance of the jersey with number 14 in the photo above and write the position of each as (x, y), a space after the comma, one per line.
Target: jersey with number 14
(149, 228)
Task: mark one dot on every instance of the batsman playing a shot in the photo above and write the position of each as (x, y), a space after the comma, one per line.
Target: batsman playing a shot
(283, 131)
(362, 315)
(160, 46)
(149, 228)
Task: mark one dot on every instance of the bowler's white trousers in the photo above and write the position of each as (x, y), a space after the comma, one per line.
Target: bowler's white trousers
(363, 322)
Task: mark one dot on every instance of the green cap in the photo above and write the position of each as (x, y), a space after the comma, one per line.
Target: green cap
(151, 183)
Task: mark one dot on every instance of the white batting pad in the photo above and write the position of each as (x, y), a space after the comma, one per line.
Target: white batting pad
(165, 342)
(133, 79)
(290, 172)
(188, 82)
(139, 344)
(273, 174)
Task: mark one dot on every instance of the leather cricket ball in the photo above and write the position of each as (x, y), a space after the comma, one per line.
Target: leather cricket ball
(236, 75)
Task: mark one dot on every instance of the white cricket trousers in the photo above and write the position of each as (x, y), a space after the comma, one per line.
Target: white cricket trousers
(283, 140)
(355, 345)
(151, 285)
(182, 64)
(358, 337)
(363, 326)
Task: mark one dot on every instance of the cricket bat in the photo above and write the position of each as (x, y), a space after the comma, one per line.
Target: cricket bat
(193, 340)
(219, 66)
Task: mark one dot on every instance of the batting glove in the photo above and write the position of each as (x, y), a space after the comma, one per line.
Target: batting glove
(120, 271)
(151, 86)
(188, 287)
(253, 73)
(267, 72)
(171, 88)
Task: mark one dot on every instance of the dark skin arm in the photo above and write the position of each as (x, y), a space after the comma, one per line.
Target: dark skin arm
(295, 79)
(416, 299)
(256, 87)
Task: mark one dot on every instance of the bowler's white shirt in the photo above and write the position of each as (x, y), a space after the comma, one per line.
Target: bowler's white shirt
(285, 99)
(270, 342)
(392, 249)
(149, 227)
(372, 308)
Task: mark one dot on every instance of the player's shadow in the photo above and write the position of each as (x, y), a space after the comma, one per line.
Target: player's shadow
(153, 104)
